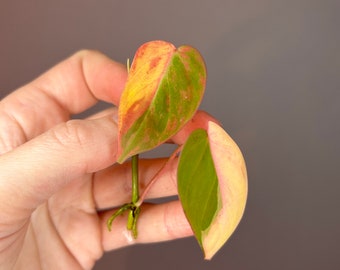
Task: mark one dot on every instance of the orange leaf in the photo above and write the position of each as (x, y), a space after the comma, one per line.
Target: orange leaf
(164, 89)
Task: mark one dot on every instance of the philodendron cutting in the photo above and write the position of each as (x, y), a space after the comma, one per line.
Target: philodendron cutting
(163, 91)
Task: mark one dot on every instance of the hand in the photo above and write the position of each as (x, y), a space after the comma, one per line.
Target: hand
(56, 175)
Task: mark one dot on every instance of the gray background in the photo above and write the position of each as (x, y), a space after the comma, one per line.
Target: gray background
(273, 82)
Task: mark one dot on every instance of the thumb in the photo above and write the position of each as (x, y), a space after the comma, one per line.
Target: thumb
(33, 172)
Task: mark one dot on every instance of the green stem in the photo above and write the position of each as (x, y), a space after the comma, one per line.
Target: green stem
(134, 211)
(133, 207)
(135, 181)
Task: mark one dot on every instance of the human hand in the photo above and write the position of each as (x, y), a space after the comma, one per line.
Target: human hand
(57, 182)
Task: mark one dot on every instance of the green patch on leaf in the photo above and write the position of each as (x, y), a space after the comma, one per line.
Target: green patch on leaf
(198, 185)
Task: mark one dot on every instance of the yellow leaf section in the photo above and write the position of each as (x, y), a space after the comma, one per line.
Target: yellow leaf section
(149, 64)
(233, 184)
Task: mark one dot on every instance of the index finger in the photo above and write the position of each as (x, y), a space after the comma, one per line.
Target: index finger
(70, 87)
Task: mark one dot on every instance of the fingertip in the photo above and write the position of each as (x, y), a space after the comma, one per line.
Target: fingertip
(78, 82)
(110, 112)
(92, 142)
(104, 74)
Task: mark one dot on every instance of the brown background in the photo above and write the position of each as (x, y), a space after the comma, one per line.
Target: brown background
(273, 82)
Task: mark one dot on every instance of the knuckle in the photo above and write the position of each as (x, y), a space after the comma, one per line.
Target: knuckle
(12, 132)
(71, 133)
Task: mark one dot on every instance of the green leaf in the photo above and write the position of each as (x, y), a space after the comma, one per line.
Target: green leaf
(164, 89)
(212, 186)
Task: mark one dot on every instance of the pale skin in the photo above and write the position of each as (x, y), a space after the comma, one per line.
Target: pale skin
(59, 182)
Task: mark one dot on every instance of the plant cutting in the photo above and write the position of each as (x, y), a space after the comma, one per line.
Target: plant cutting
(163, 92)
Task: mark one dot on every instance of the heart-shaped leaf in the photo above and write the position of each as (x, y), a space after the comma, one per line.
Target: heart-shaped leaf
(212, 186)
(164, 88)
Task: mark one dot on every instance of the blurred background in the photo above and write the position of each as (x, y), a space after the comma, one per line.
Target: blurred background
(273, 82)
